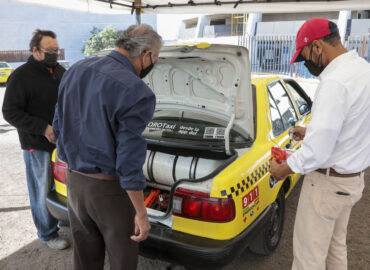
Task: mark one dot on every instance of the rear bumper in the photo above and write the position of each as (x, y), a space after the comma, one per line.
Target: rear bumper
(192, 251)
(57, 206)
(198, 252)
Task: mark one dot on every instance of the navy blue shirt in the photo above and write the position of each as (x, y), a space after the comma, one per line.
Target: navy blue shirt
(103, 107)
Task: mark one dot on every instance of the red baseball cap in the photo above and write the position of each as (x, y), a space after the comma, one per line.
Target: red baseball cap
(311, 30)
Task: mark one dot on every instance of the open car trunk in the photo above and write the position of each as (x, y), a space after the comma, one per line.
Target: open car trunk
(167, 168)
(204, 110)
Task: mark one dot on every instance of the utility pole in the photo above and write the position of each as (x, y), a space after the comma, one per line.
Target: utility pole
(137, 6)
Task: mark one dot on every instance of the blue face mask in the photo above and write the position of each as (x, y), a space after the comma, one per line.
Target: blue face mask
(145, 71)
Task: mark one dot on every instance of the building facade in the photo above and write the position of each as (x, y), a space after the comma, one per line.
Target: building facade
(18, 21)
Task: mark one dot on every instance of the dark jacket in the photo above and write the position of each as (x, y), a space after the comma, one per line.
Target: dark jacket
(103, 108)
(29, 102)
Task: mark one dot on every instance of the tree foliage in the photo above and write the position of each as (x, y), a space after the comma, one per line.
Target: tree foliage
(100, 39)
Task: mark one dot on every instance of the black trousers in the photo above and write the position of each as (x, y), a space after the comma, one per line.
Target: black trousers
(102, 217)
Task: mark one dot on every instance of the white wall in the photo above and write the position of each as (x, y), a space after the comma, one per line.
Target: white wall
(360, 27)
(298, 16)
(169, 25)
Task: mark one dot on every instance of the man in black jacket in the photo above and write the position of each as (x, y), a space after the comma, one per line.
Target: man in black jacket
(29, 101)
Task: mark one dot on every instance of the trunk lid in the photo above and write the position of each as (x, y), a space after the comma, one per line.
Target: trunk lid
(204, 81)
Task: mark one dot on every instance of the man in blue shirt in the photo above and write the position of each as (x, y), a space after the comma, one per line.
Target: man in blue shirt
(103, 107)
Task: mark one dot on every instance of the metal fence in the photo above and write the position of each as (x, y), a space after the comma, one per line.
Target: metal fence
(272, 54)
(360, 44)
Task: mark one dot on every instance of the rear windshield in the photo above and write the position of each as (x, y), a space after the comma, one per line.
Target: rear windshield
(4, 65)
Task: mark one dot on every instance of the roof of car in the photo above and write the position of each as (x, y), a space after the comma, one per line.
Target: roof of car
(264, 77)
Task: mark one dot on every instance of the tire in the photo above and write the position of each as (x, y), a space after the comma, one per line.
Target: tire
(268, 238)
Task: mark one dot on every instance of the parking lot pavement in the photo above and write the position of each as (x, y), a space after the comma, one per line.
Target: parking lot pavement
(21, 249)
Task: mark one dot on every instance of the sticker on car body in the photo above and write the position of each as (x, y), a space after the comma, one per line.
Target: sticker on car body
(214, 133)
(272, 182)
(246, 183)
(252, 196)
(250, 201)
(183, 129)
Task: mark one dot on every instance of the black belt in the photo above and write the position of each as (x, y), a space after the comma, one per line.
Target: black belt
(332, 172)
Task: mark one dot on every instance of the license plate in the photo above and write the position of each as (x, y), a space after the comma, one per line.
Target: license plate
(2, 73)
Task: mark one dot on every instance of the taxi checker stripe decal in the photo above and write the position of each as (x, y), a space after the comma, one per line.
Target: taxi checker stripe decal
(244, 185)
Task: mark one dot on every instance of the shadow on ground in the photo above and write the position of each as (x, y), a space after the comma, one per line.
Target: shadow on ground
(37, 256)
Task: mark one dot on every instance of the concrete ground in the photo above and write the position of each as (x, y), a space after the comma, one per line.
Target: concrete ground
(20, 248)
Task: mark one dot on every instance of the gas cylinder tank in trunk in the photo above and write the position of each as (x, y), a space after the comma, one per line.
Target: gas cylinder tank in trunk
(166, 168)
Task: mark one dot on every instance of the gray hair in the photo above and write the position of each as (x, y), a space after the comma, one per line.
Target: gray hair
(138, 38)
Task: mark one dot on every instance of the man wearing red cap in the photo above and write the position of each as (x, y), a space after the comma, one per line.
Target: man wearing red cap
(335, 149)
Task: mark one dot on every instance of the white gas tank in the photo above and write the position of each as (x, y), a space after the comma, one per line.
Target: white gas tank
(166, 168)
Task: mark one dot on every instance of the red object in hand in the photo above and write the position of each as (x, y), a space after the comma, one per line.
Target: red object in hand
(279, 154)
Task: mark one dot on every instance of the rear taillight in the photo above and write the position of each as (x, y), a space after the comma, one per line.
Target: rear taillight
(59, 171)
(198, 205)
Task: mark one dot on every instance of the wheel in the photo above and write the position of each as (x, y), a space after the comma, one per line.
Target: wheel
(268, 238)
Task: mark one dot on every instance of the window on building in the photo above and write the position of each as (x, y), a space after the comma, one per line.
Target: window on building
(192, 23)
(218, 22)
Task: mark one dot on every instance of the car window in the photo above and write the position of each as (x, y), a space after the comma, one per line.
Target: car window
(4, 65)
(276, 122)
(302, 104)
(283, 103)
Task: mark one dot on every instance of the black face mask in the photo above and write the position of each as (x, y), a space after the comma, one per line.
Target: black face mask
(50, 60)
(314, 69)
(145, 71)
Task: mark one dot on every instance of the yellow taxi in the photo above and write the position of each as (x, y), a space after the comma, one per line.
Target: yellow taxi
(5, 71)
(209, 192)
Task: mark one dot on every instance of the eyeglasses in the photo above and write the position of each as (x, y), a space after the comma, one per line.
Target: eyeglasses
(47, 50)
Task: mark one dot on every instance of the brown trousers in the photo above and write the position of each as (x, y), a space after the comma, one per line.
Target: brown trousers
(102, 217)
